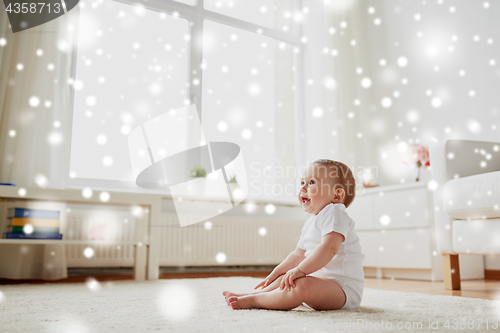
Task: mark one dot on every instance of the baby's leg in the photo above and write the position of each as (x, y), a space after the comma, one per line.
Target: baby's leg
(275, 284)
(318, 293)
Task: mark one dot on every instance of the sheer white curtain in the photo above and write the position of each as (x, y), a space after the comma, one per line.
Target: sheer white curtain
(337, 49)
(35, 126)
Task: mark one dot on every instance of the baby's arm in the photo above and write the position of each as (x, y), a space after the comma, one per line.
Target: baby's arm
(330, 244)
(291, 261)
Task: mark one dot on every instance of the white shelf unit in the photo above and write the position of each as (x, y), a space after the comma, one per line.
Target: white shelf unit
(146, 240)
(395, 225)
(66, 242)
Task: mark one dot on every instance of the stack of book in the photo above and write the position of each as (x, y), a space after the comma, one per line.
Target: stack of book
(26, 223)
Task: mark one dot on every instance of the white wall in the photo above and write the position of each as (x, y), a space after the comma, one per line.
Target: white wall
(461, 115)
(411, 117)
(438, 39)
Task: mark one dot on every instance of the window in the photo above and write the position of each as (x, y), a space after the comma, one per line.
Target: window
(237, 61)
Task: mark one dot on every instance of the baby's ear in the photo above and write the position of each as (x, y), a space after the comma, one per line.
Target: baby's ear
(340, 193)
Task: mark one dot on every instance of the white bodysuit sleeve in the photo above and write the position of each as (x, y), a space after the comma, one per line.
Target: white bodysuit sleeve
(334, 220)
(300, 244)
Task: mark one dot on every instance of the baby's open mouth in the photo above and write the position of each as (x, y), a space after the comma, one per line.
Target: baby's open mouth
(305, 200)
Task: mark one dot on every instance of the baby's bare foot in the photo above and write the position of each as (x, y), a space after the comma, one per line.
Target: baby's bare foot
(228, 294)
(243, 302)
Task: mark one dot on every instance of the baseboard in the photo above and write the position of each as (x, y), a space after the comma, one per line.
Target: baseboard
(421, 274)
(491, 274)
(396, 273)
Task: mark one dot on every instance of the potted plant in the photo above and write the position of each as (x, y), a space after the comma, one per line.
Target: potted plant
(197, 172)
(233, 183)
(196, 186)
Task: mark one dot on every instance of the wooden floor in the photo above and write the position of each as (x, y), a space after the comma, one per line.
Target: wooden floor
(486, 289)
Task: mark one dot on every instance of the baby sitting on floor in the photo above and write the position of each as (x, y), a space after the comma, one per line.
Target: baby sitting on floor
(325, 271)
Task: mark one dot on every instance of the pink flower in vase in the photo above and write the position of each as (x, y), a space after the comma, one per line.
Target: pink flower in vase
(417, 155)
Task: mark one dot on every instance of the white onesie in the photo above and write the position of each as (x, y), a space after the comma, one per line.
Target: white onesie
(346, 267)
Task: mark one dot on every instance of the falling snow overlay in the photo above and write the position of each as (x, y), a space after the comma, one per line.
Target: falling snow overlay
(375, 84)
(419, 88)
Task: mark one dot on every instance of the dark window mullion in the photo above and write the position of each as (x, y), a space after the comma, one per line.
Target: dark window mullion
(196, 58)
(167, 7)
(251, 27)
(189, 12)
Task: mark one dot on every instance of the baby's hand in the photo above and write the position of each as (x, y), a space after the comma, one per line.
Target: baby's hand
(288, 280)
(269, 279)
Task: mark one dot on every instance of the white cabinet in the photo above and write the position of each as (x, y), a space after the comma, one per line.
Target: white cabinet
(368, 240)
(362, 212)
(396, 231)
(378, 209)
(404, 248)
(403, 209)
(394, 225)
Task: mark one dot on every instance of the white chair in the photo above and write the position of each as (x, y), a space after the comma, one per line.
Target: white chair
(467, 202)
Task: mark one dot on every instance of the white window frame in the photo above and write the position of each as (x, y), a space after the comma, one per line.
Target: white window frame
(196, 14)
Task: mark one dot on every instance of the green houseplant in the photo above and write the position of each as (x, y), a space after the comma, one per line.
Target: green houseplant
(232, 180)
(197, 172)
(197, 185)
(234, 186)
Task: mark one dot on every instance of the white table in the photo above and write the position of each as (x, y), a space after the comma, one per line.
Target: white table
(146, 243)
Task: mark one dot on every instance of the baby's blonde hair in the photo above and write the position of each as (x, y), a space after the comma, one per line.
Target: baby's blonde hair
(344, 176)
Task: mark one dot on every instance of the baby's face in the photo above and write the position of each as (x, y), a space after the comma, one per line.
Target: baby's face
(317, 189)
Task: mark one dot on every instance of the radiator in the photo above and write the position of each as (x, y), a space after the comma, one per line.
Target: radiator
(95, 223)
(229, 240)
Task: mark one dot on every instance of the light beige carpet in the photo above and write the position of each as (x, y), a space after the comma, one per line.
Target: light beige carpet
(197, 305)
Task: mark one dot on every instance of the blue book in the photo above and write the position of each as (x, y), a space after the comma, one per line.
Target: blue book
(33, 213)
(18, 235)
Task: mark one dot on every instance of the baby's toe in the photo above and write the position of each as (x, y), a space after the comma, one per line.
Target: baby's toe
(233, 301)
